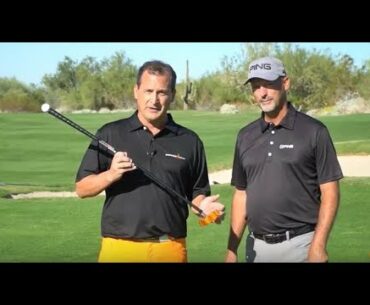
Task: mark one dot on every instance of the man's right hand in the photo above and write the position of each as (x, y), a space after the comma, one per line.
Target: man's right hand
(120, 165)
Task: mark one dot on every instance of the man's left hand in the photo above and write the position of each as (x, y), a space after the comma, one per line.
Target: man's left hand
(211, 204)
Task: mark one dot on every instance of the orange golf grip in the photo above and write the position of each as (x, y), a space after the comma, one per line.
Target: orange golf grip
(209, 218)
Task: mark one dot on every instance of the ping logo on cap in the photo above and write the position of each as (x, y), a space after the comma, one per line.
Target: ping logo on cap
(265, 66)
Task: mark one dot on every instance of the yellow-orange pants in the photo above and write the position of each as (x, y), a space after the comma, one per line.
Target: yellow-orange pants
(126, 250)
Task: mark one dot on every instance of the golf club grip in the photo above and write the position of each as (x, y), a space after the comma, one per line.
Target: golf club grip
(112, 150)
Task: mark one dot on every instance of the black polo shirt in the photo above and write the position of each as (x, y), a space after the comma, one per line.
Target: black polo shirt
(135, 207)
(281, 168)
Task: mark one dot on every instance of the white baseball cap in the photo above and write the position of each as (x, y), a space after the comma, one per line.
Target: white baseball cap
(268, 68)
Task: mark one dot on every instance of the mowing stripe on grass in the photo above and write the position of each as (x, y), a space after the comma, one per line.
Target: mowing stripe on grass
(352, 141)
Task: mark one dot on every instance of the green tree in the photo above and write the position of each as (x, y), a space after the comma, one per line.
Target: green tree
(15, 96)
(119, 78)
(363, 80)
(91, 84)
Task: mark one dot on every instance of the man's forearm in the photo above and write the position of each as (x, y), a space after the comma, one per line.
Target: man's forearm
(238, 220)
(235, 238)
(328, 210)
(93, 185)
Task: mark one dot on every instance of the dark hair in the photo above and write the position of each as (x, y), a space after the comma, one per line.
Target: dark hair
(157, 67)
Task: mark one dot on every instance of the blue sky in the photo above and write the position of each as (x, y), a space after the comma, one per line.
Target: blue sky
(29, 62)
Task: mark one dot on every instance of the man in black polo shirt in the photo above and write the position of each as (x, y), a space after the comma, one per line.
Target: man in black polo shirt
(285, 174)
(141, 222)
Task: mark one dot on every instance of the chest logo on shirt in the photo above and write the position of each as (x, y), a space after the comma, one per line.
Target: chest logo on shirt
(175, 156)
(286, 146)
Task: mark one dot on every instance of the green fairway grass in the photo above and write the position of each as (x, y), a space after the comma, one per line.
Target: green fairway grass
(40, 150)
(68, 229)
(40, 153)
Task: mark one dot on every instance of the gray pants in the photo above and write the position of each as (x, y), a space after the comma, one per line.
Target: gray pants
(292, 250)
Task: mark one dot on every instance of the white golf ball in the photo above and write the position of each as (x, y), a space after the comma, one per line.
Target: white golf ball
(45, 107)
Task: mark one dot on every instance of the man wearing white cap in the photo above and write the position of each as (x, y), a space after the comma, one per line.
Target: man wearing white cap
(285, 174)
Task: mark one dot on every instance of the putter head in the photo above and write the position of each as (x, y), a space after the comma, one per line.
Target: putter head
(45, 107)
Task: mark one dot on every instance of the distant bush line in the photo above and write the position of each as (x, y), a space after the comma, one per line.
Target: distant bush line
(319, 79)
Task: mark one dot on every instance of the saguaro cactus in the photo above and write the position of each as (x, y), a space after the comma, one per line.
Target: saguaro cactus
(188, 88)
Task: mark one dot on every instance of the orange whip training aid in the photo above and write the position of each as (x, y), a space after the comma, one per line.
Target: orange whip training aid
(211, 217)
(205, 220)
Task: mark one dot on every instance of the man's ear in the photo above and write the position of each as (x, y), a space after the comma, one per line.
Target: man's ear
(286, 83)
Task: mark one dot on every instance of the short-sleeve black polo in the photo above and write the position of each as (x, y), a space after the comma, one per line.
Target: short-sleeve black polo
(281, 168)
(135, 207)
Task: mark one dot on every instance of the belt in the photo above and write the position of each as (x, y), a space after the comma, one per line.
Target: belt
(280, 237)
(159, 239)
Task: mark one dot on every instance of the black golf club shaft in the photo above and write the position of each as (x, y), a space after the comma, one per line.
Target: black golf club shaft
(112, 150)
